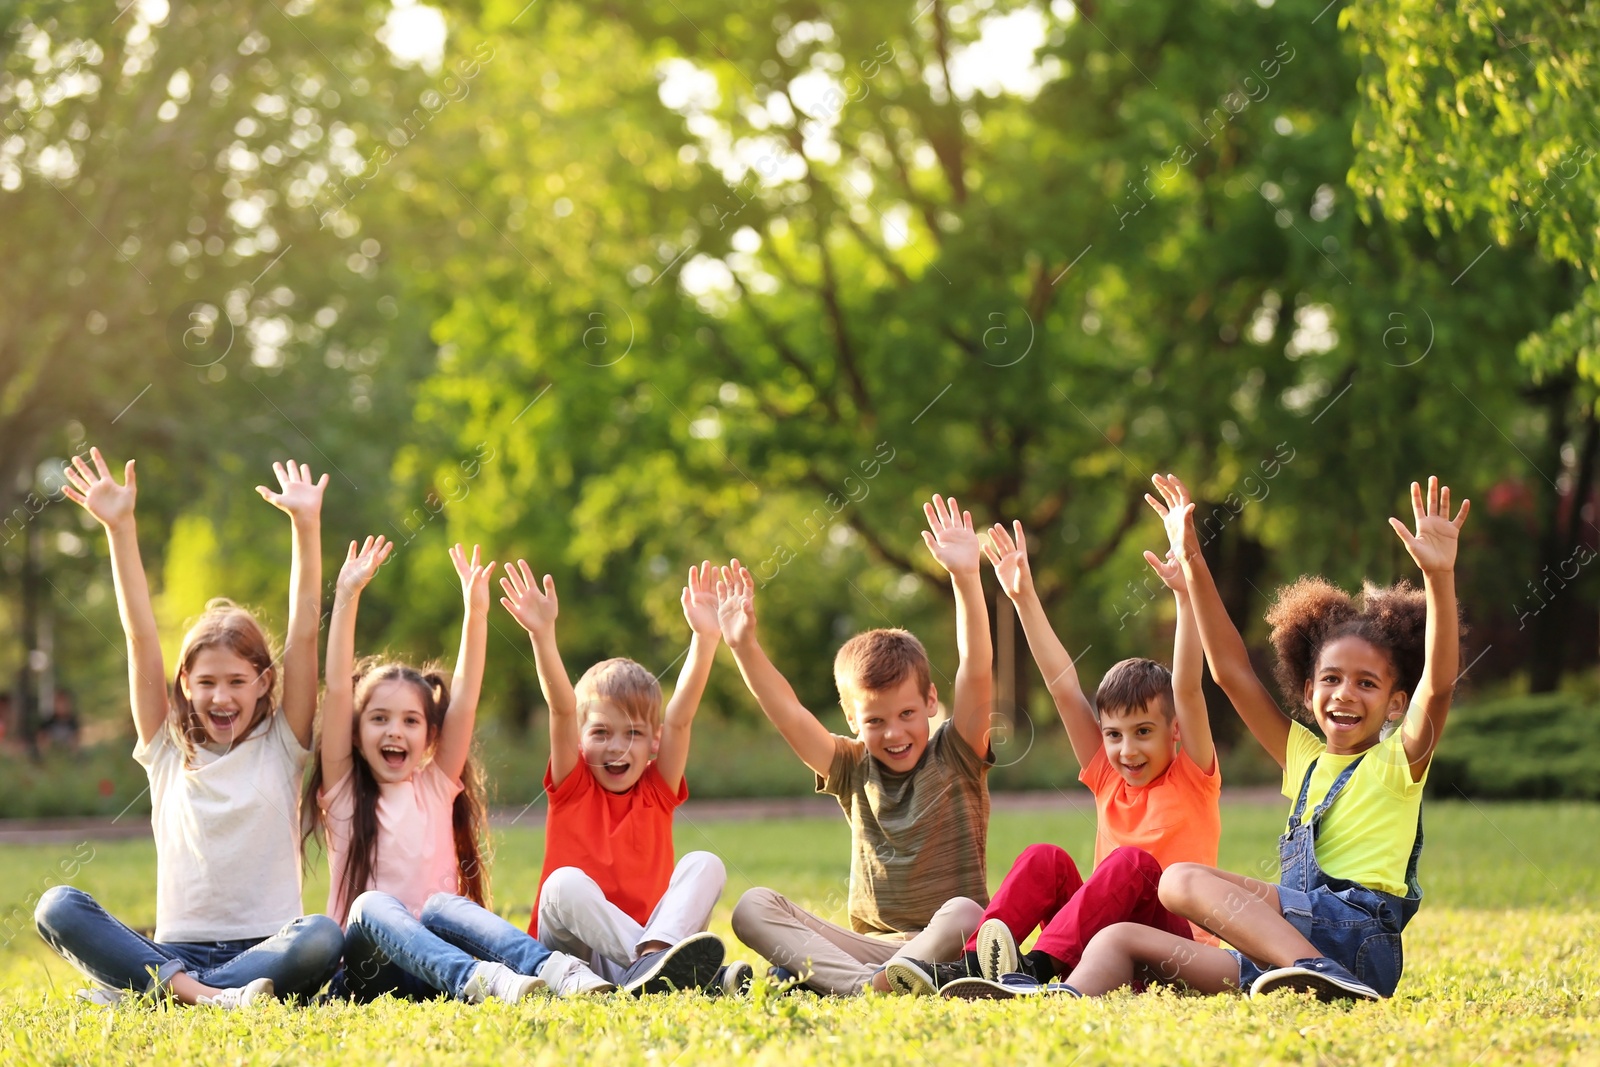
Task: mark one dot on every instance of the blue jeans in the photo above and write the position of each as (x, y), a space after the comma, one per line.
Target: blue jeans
(386, 950)
(481, 932)
(299, 959)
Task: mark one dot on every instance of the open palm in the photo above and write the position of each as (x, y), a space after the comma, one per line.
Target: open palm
(361, 564)
(700, 600)
(474, 577)
(950, 536)
(535, 610)
(299, 496)
(736, 603)
(98, 492)
(1433, 545)
(1010, 559)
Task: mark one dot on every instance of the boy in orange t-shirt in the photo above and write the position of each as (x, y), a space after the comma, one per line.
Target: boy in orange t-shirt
(610, 893)
(1157, 803)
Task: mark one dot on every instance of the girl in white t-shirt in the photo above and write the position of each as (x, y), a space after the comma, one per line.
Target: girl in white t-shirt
(225, 765)
(401, 807)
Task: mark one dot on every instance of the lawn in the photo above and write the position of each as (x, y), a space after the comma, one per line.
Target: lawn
(1503, 964)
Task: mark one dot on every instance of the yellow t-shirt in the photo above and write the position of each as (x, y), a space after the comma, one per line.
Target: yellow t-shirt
(1367, 834)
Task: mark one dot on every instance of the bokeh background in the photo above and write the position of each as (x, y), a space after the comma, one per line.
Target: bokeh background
(618, 286)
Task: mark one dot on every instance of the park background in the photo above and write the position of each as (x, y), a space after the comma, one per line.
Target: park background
(617, 287)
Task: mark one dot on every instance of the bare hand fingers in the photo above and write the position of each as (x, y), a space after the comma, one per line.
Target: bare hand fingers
(100, 463)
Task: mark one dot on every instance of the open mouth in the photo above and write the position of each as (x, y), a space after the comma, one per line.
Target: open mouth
(617, 768)
(222, 720)
(898, 753)
(393, 755)
(1134, 770)
(1344, 719)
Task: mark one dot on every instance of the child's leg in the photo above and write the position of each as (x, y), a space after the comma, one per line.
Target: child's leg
(946, 934)
(1037, 886)
(299, 959)
(85, 934)
(1244, 912)
(576, 918)
(381, 930)
(685, 908)
(832, 959)
(1124, 888)
(1125, 952)
(483, 934)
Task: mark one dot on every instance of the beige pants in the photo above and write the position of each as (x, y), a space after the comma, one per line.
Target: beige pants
(837, 960)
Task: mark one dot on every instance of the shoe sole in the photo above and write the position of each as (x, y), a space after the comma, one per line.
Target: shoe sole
(997, 950)
(736, 980)
(690, 964)
(980, 989)
(1297, 980)
(909, 981)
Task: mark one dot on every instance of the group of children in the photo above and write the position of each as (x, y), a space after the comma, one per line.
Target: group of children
(394, 795)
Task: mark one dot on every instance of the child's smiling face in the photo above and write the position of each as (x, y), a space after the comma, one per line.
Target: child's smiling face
(1140, 742)
(616, 747)
(392, 733)
(224, 688)
(893, 723)
(1352, 693)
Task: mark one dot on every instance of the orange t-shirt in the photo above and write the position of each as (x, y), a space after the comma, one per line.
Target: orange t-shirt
(1177, 818)
(621, 840)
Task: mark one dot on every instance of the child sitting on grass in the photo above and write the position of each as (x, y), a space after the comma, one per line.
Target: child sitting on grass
(610, 892)
(917, 802)
(1156, 803)
(1347, 883)
(224, 761)
(402, 807)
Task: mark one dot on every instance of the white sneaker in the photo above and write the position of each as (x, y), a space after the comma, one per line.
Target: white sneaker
(567, 976)
(258, 991)
(997, 950)
(500, 982)
(102, 996)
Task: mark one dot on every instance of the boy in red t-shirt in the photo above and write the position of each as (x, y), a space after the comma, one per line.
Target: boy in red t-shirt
(1157, 803)
(610, 893)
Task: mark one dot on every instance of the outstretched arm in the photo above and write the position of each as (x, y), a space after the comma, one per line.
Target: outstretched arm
(951, 539)
(338, 699)
(301, 499)
(112, 505)
(1224, 648)
(700, 608)
(1433, 547)
(455, 739)
(537, 611)
(736, 610)
(1010, 559)
(1188, 666)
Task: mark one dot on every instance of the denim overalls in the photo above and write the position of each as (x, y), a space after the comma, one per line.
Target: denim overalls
(1356, 927)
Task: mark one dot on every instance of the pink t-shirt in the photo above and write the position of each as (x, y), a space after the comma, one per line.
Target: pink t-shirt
(416, 854)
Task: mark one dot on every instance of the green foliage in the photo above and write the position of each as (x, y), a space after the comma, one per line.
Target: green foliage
(1496, 969)
(1541, 746)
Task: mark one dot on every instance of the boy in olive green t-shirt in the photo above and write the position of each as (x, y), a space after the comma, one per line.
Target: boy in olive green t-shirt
(916, 795)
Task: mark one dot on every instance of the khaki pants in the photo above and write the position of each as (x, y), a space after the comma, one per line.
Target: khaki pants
(836, 960)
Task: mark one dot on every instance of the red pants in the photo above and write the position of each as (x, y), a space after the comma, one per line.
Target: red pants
(1043, 889)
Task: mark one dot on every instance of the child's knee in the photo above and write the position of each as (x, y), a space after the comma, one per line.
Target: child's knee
(963, 913)
(369, 901)
(1180, 885)
(56, 904)
(1135, 863)
(565, 885)
(1046, 856)
(706, 867)
(317, 937)
(754, 910)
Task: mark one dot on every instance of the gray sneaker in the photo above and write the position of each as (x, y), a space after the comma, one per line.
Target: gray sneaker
(500, 982)
(918, 979)
(1322, 976)
(690, 964)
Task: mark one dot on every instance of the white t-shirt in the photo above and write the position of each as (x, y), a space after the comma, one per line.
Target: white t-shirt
(416, 838)
(227, 834)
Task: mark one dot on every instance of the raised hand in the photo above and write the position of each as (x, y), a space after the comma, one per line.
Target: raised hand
(1177, 515)
(300, 497)
(474, 577)
(700, 600)
(98, 492)
(536, 611)
(1010, 559)
(950, 536)
(360, 564)
(1169, 570)
(1433, 546)
(736, 604)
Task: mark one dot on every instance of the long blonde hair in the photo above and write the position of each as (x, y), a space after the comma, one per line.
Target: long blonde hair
(223, 624)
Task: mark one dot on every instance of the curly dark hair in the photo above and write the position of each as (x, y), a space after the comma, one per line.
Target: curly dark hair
(1309, 613)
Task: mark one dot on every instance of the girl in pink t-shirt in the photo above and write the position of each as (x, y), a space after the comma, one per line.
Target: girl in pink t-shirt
(401, 806)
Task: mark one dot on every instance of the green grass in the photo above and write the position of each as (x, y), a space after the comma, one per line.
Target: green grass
(1503, 964)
